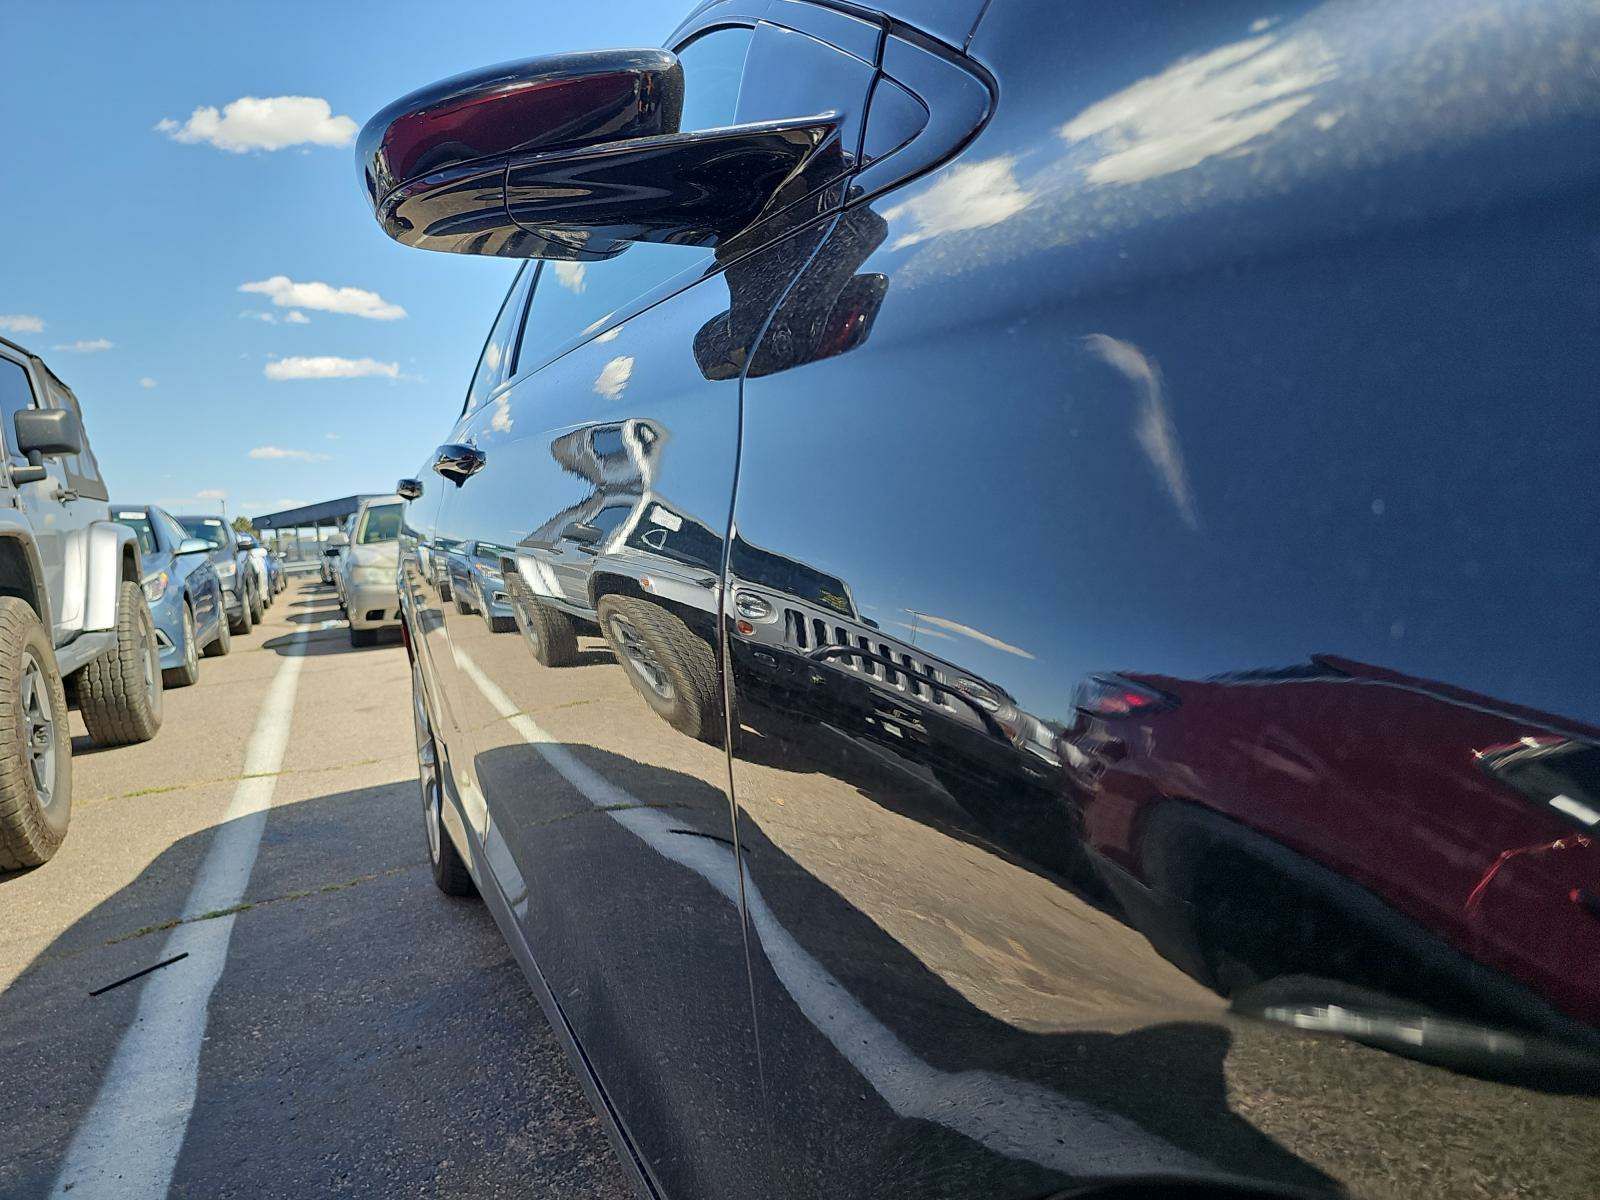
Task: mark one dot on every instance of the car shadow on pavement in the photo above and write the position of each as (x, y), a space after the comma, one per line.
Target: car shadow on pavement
(368, 1036)
(332, 641)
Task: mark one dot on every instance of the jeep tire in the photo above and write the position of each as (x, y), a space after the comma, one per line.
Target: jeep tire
(675, 671)
(119, 693)
(35, 741)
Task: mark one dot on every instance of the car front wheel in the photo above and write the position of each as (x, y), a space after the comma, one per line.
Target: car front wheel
(450, 873)
(188, 671)
(35, 742)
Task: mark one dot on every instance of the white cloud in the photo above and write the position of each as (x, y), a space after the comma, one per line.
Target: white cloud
(86, 346)
(263, 123)
(147, 382)
(610, 334)
(323, 297)
(1202, 107)
(289, 502)
(969, 196)
(614, 377)
(255, 314)
(1153, 428)
(296, 317)
(21, 323)
(280, 452)
(211, 494)
(332, 437)
(570, 275)
(327, 366)
(501, 422)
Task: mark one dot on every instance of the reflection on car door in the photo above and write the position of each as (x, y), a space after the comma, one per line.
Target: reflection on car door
(608, 830)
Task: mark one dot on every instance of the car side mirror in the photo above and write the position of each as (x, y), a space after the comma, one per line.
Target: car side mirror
(572, 156)
(585, 533)
(408, 489)
(192, 546)
(338, 539)
(48, 432)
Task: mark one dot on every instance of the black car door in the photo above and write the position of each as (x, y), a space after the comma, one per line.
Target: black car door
(592, 733)
(1131, 607)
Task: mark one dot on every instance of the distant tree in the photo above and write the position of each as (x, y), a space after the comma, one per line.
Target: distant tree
(242, 525)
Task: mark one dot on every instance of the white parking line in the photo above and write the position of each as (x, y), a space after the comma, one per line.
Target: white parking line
(1009, 1116)
(126, 1146)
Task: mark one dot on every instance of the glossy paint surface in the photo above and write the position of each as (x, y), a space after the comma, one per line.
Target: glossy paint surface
(1081, 664)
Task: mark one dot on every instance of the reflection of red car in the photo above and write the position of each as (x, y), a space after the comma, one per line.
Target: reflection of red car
(1394, 832)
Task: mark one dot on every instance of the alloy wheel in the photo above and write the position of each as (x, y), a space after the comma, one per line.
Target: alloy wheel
(641, 657)
(39, 730)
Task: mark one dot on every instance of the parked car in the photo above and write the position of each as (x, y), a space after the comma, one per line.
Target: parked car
(367, 569)
(254, 556)
(73, 616)
(875, 378)
(328, 560)
(182, 589)
(477, 584)
(277, 577)
(241, 600)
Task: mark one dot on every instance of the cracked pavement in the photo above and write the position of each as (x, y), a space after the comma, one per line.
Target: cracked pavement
(368, 1037)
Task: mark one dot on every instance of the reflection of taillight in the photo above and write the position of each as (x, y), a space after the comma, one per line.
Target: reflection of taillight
(1114, 696)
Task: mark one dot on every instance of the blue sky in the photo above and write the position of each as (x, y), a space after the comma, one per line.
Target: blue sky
(114, 231)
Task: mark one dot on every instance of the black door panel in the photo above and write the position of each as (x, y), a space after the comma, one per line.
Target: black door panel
(1150, 639)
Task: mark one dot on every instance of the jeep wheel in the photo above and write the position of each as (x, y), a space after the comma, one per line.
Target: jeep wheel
(673, 670)
(119, 693)
(35, 744)
(186, 672)
(549, 633)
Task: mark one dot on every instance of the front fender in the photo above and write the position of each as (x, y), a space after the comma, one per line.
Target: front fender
(108, 544)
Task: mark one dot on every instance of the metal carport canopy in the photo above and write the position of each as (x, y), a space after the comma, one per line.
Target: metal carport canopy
(311, 514)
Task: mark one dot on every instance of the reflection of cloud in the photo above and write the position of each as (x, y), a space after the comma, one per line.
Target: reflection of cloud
(570, 275)
(1153, 428)
(976, 635)
(501, 421)
(610, 334)
(968, 196)
(614, 377)
(491, 356)
(1201, 107)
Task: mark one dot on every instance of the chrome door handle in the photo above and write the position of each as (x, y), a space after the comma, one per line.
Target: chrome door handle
(458, 462)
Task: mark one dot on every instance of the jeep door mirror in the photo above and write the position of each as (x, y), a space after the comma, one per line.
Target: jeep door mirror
(338, 539)
(192, 546)
(584, 533)
(408, 489)
(571, 156)
(48, 433)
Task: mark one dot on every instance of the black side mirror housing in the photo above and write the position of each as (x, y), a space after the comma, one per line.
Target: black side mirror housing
(584, 533)
(48, 432)
(572, 156)
(408, 489)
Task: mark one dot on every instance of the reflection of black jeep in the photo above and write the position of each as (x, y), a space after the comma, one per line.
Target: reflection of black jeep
(626, 562)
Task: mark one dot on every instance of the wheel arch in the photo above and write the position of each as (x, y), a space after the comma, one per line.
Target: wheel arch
(21, 574)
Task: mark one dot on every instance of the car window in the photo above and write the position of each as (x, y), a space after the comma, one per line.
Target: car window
(139, 521)
(207, 529)
(572, 299)
(609, 518)
(175, 533)
(380, 524)
(83, 472)
(16, 394)
(713, 68)
(498, 360)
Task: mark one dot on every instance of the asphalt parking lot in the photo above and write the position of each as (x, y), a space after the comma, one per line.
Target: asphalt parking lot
(364, 1036)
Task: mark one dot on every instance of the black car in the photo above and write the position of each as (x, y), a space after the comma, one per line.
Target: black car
(916, 438)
